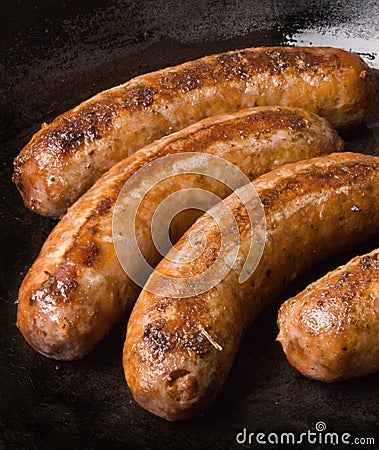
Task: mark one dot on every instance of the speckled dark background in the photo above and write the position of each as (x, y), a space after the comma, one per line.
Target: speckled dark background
(54, 55)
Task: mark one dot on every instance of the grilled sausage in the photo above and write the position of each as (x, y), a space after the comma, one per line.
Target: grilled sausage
(330, 331)
(76, 289)
(66, 157)
(179, 351)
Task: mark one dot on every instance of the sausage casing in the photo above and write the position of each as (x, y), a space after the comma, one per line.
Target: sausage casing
(179, 351)
(76, 289)
(330, 331)
(67, 156)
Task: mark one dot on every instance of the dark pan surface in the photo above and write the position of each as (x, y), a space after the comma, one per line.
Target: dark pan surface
(54, 55)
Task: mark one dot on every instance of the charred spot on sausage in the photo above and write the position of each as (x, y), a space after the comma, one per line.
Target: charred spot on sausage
(139, 97)
(57, 288)
(158, 340)
(90, 252)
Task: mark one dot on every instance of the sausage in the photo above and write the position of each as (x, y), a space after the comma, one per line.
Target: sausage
(330, 331)
(179, 351)
(63, 159)
(76, 289)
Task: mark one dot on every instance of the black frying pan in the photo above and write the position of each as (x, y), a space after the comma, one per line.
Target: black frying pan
(54, 55)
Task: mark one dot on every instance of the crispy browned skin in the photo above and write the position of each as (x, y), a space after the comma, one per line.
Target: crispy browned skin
(330, 331)
(313, 208)
(76, 289)
(66, 157)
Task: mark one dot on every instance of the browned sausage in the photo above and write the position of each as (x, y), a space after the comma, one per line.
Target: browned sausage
(330, 331)
(179, 351)
(66, 157)
(76, 289)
